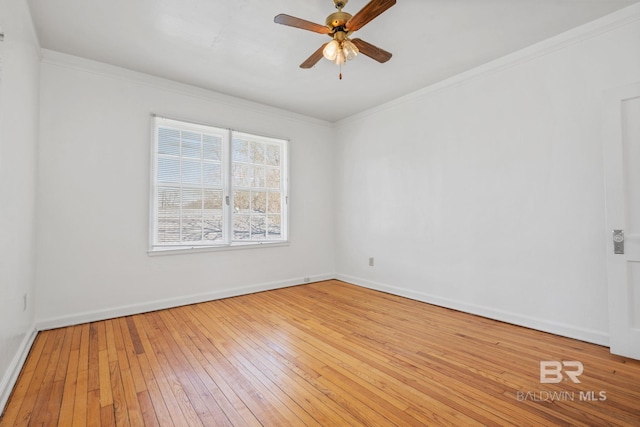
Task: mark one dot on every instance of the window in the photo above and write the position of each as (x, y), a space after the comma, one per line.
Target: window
(213, 187)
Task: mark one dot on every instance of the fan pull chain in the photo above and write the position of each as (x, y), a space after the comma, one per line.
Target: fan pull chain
(340, 72)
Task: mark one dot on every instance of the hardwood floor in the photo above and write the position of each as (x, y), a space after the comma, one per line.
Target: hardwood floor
(327, 354)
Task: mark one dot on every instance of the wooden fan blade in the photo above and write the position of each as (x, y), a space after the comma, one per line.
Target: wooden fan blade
(314, 58)
(292, 21)
(368, 13)
(373, 52)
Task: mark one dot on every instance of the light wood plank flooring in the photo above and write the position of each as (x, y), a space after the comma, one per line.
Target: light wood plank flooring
(323, 354)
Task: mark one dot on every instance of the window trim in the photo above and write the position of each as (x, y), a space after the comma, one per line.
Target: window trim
(228, 243)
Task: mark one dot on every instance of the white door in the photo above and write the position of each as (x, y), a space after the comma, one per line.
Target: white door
(622, 176)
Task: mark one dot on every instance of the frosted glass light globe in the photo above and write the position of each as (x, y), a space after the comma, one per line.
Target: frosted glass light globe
(331, 50)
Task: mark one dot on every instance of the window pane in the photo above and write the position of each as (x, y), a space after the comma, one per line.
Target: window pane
(213, 201)
(274, 204)
(191, 201)
(256, 150)
(191, 145)
(191, 228)
(258, 227)
(212, 174)
(241, 227)
(258, 177)
(274, 226)
(168, 229)
(242, 175)
(241, 201)
(273, 155)
(168, 169)
(169, 141)
(273, 178)
(259, 202)
(212, 227)
(212, 147)
(240, 151)
(168, 200)
(191, 172)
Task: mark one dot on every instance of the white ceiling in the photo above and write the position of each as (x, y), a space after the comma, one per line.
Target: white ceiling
(234, 47)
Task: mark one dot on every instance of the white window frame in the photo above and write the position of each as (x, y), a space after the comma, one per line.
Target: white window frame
(227, 241)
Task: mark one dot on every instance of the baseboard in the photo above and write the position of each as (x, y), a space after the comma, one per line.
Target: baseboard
(127, 310)
(13, 371)
(569, 331)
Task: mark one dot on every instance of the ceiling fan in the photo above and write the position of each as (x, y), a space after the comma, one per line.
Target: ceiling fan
(339, 26)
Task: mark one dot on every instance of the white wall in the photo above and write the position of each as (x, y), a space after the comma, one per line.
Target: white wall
(94, 196)
(486, 193)
(18, 165)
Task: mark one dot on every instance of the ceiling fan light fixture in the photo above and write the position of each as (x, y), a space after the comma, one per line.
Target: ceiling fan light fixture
(331, 50)
(350, 50)
(340, 50)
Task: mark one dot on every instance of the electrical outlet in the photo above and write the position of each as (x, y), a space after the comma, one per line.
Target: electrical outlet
(306, 280)
(371, 262)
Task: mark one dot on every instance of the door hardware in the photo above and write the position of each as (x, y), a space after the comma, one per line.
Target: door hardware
(618, 242)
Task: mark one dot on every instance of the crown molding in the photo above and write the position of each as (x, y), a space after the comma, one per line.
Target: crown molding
(64, 60)
(611, 22)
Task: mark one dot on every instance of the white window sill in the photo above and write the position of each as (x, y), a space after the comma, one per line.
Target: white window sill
(173, 250)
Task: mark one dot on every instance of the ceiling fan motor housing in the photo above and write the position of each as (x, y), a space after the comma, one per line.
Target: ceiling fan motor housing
(338, 19)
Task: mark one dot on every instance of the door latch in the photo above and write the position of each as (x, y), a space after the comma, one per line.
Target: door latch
(618, 242)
